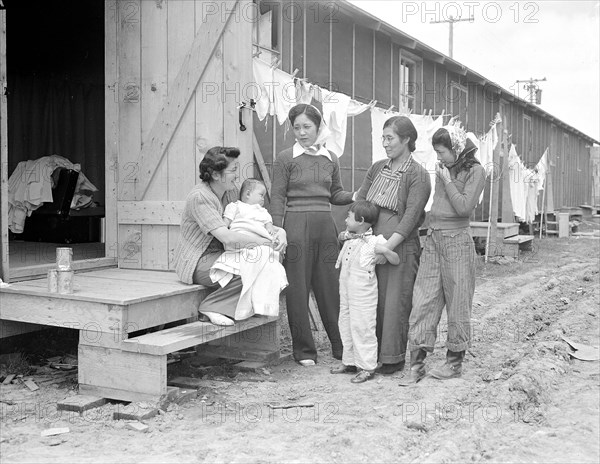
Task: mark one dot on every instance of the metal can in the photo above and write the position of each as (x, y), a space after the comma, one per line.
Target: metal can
(64, 257)
(65, 281)
(52, 281)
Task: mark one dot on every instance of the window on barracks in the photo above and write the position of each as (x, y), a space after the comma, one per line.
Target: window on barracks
(407, 85)
(265, 34)
(458, 102)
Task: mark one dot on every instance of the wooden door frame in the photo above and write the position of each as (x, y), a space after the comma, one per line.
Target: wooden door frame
(4, 273)
(35, 271)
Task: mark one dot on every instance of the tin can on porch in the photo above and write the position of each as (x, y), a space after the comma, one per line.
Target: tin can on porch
(64, 257)
(52, 281)
(65, 281)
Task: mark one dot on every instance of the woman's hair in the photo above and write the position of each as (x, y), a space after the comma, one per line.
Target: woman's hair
(365, 211)
(442, 137)
(310, 111)
(216, 160)
(403, 127)
(464, 162)
(249, 185)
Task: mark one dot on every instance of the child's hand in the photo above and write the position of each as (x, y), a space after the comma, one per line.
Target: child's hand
(380, 251)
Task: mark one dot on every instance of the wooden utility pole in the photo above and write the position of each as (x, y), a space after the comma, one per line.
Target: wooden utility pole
(451, 20)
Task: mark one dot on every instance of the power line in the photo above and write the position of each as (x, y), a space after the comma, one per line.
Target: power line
(534, 92)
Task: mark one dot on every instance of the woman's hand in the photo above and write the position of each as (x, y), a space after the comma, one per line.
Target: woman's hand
(443, 173)
(280, 242)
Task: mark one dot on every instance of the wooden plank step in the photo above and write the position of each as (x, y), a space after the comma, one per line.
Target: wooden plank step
(504, 229)
(519, 239)
(188, 335)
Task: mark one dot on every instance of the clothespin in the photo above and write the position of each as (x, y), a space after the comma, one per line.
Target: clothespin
(389, 109)
(276, 63)
(296, 71)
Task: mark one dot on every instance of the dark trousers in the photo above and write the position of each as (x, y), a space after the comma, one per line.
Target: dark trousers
(222, 300)
(395, 284)
(310, 263)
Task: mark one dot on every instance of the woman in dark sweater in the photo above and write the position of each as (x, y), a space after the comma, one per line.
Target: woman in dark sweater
(306, 181)
(400, 187)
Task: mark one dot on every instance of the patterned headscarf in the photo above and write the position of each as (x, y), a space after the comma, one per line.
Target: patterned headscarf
(458, 136)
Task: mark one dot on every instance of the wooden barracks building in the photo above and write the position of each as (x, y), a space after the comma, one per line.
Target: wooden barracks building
(125, 89)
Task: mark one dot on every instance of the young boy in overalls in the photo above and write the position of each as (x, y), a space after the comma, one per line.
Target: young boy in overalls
(358, 291)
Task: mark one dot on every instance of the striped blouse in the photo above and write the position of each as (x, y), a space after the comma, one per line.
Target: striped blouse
(384, 190)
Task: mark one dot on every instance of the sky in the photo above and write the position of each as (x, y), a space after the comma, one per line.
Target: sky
(516, 40)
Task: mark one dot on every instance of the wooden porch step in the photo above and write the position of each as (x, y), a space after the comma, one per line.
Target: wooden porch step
(188, 335)
(504, 229)
(512, 246)
(519, 239)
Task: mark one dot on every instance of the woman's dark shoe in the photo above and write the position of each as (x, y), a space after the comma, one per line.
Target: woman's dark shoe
(389, 369)
(343, 369)
(412, 377)
(337, 354)
(362, 376)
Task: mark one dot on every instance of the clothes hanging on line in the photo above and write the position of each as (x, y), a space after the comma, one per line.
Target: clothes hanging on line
(424, 153)
(487, 145)
(335, 113)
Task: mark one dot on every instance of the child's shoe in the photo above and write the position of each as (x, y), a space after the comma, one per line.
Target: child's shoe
(363, 376)
(343, 369)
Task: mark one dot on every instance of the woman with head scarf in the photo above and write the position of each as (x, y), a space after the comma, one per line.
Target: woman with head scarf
(447, 273)
(400, 187)
(306, 182)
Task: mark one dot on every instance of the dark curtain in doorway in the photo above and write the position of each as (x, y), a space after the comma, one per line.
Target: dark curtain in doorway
(58, 116)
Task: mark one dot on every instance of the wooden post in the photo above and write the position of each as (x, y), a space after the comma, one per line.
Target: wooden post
(495, 179)
(504, 183)
(543, 212)
(3, 153)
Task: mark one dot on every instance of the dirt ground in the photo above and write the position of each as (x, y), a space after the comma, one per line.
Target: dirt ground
(521, 398)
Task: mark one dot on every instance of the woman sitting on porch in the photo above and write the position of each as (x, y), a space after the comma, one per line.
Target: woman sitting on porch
(204, 234)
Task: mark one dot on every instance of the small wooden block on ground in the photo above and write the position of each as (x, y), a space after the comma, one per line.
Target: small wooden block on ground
(134, 411)
(80, 403)
(56, 431)
(8, 379)
(31, 385)
(138, 426)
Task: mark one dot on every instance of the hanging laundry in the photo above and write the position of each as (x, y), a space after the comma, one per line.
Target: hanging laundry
(487, 146)
(262, 91)
(524, 186)
(425, 154)
(335, 113)
(485, 154)
(518, 193)
(355, 108)
(542, 168)
(284, 91)
(304, 93)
